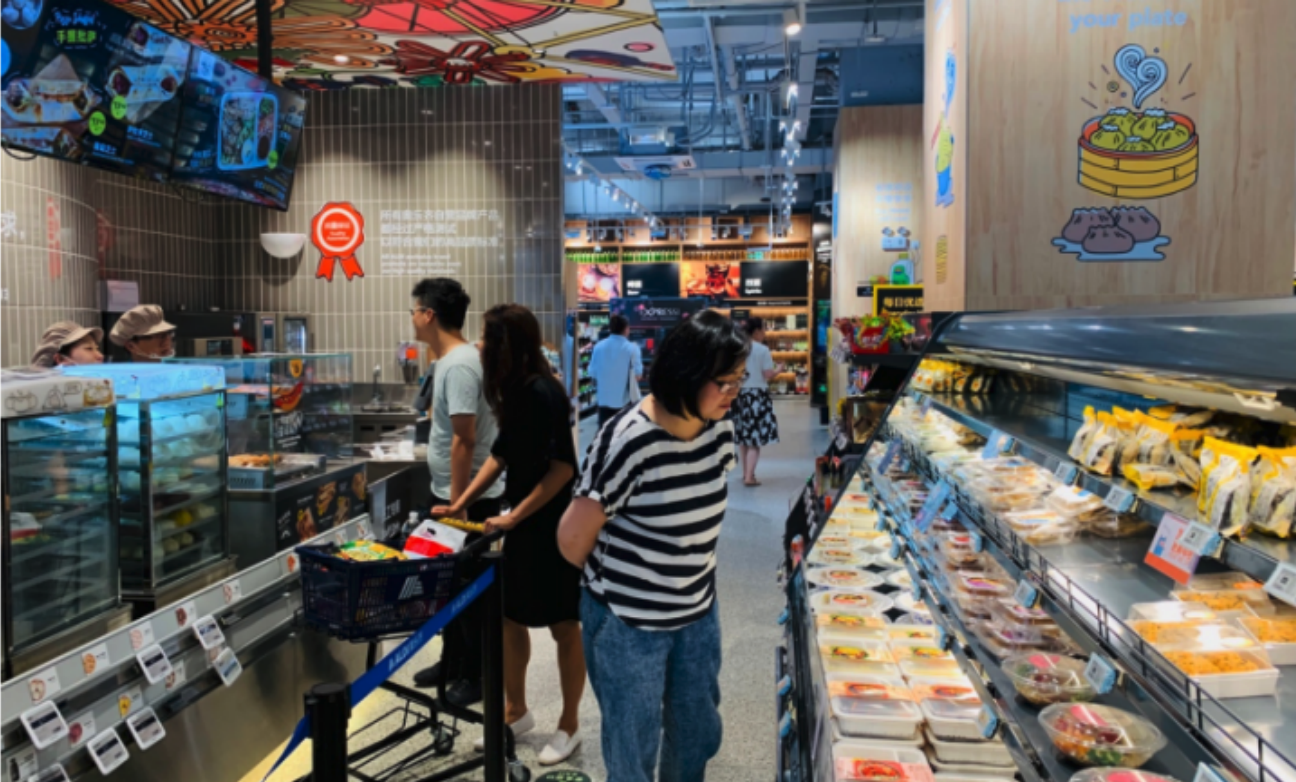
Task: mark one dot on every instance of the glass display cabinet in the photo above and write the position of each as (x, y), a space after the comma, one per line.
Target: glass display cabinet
(172, 478)
(287, 414)
(60, 520)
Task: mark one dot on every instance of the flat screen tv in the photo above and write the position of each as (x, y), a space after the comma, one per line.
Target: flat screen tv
(89, 83)
(239, 134)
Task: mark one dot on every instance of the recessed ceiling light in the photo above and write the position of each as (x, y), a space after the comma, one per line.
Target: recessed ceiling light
(341, 59)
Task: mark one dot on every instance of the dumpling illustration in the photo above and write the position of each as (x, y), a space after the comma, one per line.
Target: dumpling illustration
(1107, 240)
(1170, 135)
(1121, 118)
(54, 400)
(1107, 137)
(22, 401)
(1077, 228)
(1137, 222)
(1136, 144)
(1147, 125)
(71, 389)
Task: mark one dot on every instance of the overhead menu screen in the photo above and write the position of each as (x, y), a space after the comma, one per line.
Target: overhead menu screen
(89, 83)
(239, 134)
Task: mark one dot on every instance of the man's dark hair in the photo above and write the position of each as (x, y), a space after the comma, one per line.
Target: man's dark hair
(617, 324)
(446, 298)
(697, 351)
(753, 325)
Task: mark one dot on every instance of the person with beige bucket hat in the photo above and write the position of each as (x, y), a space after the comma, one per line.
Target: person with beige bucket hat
(145, 334)
(67, 343)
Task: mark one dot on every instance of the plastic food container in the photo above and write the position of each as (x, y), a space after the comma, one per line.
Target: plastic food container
(907, 632)
(929, 669)
(991, 775)
(838, 541)
(1223, 581)
(1049, 678)
(1010, 612)
(861, 762)
(918, 618)
(838, 556)
(1073, 501)
(1096, 735)
(873, 706)
(922, 649)
(1040, 527)
(1171, 611)
(1004, 499)
(905, 602)
(1226, 673)
(957, 549)
(1277, 634)
(898, 578)
(1254, 600)
(974, 592)
(1118, 775)
(950, 705)
(986, 753)
(843, 654)
(1114, 525)
(843, 578)
(852, 622)
(846, 600)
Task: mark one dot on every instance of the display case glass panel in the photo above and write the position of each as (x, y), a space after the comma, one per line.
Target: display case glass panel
(172, 471)
(287, 415)
(60, 522)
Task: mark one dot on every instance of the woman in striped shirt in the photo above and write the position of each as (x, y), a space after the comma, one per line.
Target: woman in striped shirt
(643, 528)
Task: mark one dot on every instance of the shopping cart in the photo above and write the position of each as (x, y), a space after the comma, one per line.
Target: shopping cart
(372, 602)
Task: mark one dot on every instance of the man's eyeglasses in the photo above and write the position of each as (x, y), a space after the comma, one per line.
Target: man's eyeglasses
(417, 310)
(729, 386)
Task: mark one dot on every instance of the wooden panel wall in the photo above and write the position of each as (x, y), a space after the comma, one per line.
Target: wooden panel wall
(1042, 69)
(945, 114)
(877, 174)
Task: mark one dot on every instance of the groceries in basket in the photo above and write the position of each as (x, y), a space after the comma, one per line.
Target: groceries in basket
(433, 539)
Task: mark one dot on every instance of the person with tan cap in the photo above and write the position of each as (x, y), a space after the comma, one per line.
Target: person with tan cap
(67, 343)
(145, 334)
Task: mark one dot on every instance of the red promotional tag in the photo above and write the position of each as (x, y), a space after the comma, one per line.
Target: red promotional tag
(338, 231)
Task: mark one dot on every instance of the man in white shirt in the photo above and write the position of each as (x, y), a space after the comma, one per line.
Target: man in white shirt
(462, 433)
(614, 362)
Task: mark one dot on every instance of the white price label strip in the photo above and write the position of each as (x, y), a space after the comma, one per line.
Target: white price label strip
(1200, 539)
(1119, 500)
(1282, 584)
(1066, 473)
(1101, 674)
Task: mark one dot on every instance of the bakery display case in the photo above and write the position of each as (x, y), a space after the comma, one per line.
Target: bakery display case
(60, 517)
(172, 480)
(287, 415)
(1092, 510)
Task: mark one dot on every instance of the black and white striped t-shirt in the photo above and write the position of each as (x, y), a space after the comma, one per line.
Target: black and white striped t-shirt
(655, 559)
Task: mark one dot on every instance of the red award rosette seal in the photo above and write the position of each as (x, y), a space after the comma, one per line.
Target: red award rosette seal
(338, 231)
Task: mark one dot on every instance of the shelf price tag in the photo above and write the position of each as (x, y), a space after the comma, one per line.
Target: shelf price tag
(1200, 539)
(1100, 674)
(950, 510)
(1027, 594)
(784, 685)
(1282, 584)
(895, 547)
(915, 582)
(996, 445)
(1168, 555)
(1066, 473)
(976, 542)
(1119, 499)
(888, 456)
(987, 722)
(783, 617)
(926, 404)
(1208, 773)
(937, 498)
(881, 523)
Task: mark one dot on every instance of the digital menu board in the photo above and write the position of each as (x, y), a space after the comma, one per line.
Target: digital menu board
(86, 82)
(778, 279)
(650, 279)
(239, 134)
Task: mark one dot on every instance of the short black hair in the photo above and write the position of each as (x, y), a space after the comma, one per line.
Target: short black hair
(753, 325)
(617, 324)
(445, 297)
(693, 354)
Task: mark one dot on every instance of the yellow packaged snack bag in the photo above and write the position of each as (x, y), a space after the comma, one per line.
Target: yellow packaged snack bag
(1080, 442)
(1150, 476)
(1100, 453)
(1127, 427)
(1154, 440)
(1273, 492)
(1163, 412)
(1224, 496)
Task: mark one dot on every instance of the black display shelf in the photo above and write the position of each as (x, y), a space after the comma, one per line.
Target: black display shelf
(898, 360)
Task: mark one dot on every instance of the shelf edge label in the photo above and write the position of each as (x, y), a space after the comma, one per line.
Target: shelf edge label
(1100, 674)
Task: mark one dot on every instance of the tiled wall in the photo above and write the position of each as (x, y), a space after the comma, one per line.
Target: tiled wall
(423, 150)
(379, 149)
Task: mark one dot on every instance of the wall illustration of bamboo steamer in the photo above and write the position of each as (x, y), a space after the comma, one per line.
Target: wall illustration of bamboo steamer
(1138, 174)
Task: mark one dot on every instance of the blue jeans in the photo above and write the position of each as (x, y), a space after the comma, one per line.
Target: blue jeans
(656, 690)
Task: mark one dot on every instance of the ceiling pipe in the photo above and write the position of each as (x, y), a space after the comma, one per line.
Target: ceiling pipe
(719, 75)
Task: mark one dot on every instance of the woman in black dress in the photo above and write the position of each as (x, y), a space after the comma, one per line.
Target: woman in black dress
(541, 589)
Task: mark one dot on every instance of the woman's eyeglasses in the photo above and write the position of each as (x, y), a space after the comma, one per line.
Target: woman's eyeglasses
(730, 386)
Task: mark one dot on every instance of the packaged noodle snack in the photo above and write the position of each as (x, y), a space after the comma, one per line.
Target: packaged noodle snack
(1127, 426)
(1150, 476)
(1224, 496)
(1185, 444)
(1100, 453)
(1080, 443)
(1154, 440)
(1273, 491)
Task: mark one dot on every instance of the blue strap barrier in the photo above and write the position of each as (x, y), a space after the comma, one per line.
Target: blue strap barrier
(373, 678)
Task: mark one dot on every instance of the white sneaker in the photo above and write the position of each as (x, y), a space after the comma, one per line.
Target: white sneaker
(559, 748)
(525, 724)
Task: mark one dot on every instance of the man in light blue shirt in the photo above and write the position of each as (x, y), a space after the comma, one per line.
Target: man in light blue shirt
(615, 361)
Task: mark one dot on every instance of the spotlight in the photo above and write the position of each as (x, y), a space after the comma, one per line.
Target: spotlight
(791, 23)
(341, 59)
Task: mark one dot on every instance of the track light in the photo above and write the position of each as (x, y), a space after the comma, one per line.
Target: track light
(791, 22)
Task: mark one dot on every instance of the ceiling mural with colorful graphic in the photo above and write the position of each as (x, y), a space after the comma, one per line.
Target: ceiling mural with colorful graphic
(335, 44)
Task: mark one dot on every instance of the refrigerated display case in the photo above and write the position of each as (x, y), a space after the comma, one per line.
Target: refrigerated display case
(172, 477)
(1087, 506)
(287, 414)
(60, 518)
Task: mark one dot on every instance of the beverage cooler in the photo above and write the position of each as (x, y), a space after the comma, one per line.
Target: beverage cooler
(172, 478)
(60, 519)
(291, 429)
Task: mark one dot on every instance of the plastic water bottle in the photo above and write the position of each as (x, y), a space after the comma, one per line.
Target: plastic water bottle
(411, 524)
